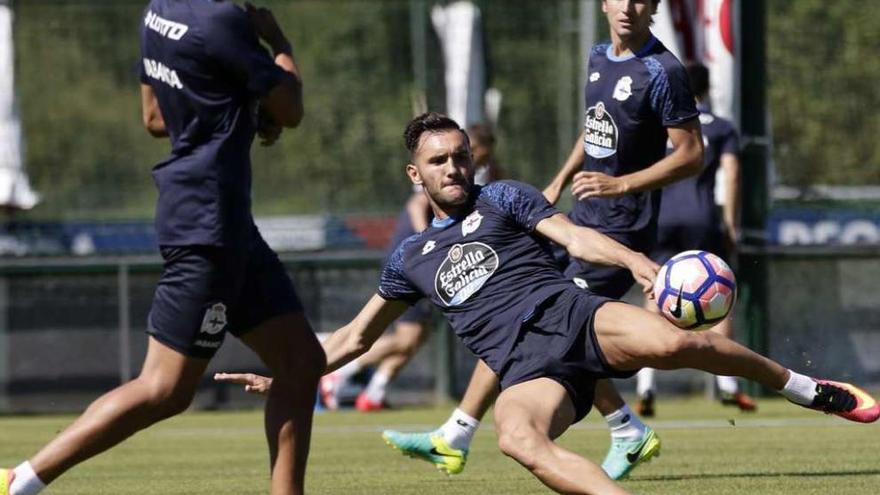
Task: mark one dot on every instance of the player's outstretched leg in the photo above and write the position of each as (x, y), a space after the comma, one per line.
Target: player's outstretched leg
(447, 447)
(164, 388)
(528, 416)
(728, 388)
(632, 338)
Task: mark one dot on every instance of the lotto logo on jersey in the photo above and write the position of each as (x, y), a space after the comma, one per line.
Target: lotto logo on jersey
(169, 29)
(600, 132)
(465, 270)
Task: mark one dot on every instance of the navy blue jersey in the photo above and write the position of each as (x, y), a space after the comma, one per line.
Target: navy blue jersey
(630, 101)
(486, 271)
(692, 201)
(207, 68)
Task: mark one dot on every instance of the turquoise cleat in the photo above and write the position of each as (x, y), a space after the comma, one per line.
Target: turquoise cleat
(430, 447)
(624, 456)
(6, 477)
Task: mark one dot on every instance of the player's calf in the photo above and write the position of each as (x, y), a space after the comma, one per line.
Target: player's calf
(520, 441)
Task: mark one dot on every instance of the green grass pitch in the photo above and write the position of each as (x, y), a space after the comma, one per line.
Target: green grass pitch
(707, 449)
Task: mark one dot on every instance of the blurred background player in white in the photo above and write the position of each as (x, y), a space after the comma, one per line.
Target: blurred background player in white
(637, 98)
(690, 219)
(394, 350)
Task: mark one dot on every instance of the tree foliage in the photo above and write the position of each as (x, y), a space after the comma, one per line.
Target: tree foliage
(89, 156)
(824, 90)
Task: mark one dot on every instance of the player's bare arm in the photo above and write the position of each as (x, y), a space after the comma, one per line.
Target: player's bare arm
(356, 338)
(342, 346)
(571, 166)
(686, 160)
(153, 121)
(594, 247)
(284, 103)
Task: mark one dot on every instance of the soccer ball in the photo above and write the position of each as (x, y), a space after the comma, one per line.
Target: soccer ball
(695, 290)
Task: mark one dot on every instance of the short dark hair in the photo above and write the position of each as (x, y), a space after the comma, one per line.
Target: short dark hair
(699, 77)
(428, 122)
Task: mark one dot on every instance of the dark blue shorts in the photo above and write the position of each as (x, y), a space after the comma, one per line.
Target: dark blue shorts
(206, 291)
(559, 342)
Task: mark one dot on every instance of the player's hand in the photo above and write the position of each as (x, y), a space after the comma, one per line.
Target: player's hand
(644, 270)
(255, 384)
(267, 129)
(597, 184)
(267, 27)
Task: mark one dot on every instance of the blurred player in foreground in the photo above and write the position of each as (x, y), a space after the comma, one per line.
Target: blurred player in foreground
(393, 351)
(689, 219)
(637, 97)
(486, 263)
(204, 72)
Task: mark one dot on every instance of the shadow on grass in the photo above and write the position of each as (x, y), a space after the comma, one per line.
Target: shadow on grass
(821, 474)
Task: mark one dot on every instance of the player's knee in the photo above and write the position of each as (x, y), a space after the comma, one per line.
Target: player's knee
(168, 398)
(521, 442)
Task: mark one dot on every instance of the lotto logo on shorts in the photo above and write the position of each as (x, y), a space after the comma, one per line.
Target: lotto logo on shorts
(215, 319)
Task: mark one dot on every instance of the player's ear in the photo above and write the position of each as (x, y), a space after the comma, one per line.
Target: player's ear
(413, 172)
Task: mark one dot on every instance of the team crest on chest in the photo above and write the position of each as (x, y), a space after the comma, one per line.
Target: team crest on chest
(600, 132)
(595, 76)
(623, 88)
(471, 223)
(428, 247)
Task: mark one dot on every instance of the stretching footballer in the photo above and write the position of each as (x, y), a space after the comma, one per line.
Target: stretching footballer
(485, 262)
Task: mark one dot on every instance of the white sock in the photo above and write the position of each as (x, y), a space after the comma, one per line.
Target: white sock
(727, 384)
(624, 424)
(459, 429)
(26, 481)
(375, 391)
(645, 381)
(799, 389)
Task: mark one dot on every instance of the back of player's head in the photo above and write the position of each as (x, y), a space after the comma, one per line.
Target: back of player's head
(427, 122)
(482, 134)
(699, 77)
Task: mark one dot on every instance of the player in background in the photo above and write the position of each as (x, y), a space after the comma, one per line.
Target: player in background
(393, 351)
(689, 219)
(492, 273)
(204, 74)
(637, 98)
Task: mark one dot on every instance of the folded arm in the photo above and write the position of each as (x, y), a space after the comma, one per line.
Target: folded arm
(594, 247)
